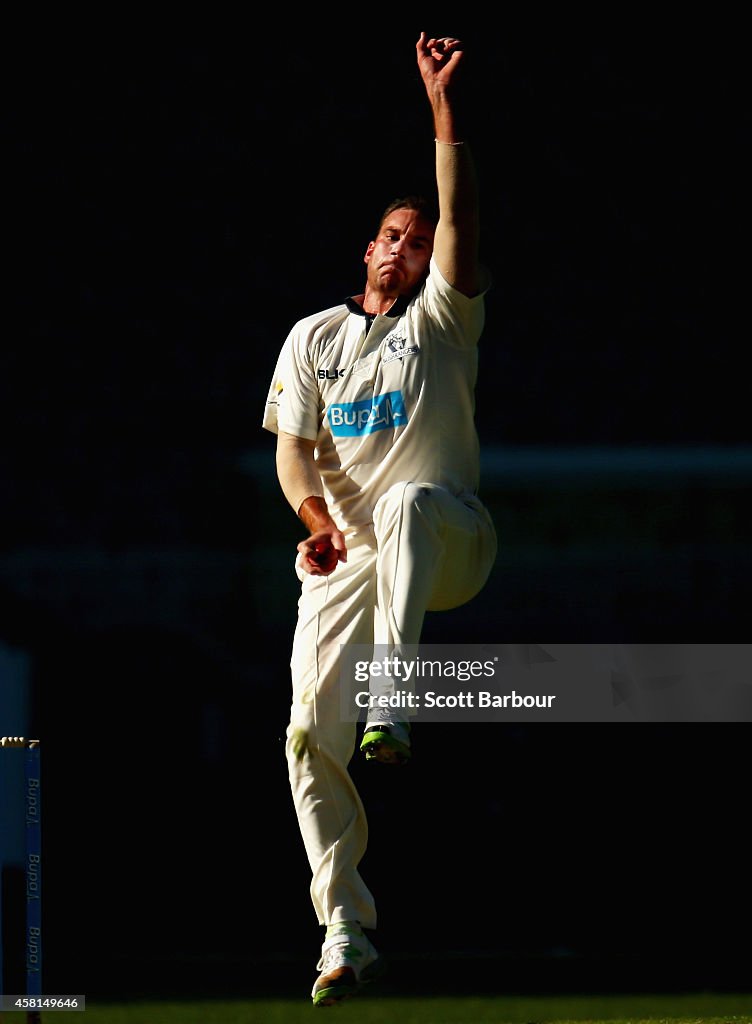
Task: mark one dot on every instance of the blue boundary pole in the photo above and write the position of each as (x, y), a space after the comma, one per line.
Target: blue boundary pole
(33, 795)
(2, 915)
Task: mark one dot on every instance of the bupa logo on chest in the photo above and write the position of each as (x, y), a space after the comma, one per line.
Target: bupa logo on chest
(398, 348)
(355, 419)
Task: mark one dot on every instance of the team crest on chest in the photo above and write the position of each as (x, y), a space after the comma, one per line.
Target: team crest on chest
(396, 347)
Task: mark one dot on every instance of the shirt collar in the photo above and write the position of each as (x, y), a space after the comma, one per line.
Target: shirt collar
(397, 309)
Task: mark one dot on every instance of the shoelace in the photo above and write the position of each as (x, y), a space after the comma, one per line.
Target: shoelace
(335, 956)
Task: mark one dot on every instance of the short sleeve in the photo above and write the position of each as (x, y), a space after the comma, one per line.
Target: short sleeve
(292, 404)
(461, 318)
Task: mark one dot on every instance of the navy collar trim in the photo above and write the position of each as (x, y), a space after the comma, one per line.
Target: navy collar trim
(398, 308)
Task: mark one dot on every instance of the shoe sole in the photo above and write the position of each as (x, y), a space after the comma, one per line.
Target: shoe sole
(338, 993)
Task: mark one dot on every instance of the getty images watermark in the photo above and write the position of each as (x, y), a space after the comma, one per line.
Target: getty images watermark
(548, 682)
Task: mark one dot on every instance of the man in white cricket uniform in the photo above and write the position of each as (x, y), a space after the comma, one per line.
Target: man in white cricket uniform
(373, 405)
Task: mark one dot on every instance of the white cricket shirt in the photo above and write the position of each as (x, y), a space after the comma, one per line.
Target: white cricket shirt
(391, 404)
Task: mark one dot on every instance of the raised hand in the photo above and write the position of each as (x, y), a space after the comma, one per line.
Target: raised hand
(438, 60)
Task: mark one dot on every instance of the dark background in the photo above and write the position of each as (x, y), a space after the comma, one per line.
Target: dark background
(177, 201)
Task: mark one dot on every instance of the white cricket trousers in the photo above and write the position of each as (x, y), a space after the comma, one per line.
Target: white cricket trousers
(427, 550)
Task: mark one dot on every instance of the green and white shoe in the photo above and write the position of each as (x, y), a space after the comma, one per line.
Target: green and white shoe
(386, 743)
(347, 963)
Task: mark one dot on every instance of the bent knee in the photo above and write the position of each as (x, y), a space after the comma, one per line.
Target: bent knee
(407, 497)
(417, 497)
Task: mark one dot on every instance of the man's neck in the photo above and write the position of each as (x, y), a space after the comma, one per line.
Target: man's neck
(376, 303)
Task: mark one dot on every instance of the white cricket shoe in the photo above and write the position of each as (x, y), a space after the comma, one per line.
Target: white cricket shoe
(347, 963)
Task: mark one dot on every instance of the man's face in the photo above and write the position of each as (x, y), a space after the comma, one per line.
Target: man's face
(398, 258)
